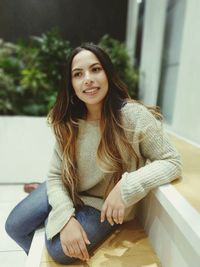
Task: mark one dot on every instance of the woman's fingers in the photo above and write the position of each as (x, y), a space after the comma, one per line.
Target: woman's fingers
(109, 215)
(121, 216)
(70, 250)
(83, 243)
(112, 214)
(103, 212)
(74, 240)
(77, 251)
(83, 250)
(113, 208)
(115, 216)
(73, 250)
(106, 213)
(85, 238)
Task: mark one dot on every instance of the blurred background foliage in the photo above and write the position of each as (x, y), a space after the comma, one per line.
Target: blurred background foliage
(30, 72)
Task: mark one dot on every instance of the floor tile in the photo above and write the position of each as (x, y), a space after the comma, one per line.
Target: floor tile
(6, 244)
(13, 259)
(10, 193)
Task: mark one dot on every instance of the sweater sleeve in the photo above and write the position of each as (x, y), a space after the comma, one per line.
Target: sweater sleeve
(164, 161)
(58, 196)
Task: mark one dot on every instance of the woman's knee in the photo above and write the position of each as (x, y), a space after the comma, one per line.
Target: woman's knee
(11, 225)
(62, 259)
(16, 222)
(56, 252)
(96, 230)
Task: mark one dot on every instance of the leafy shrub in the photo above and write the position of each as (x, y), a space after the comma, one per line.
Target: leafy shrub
(35, 71)
(120, 58)
(30, 73)
(41, 77)
(10, 71)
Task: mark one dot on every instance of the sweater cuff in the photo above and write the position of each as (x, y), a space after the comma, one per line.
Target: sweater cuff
(53, 227)
(131, 193)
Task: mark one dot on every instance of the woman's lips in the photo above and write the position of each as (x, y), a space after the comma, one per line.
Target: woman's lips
(91, 91)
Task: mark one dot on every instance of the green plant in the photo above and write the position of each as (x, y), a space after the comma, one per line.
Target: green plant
(52, 53)
(44, 60)
(34, 70)
(7, 87)
(120, 58)
(10, 68)
(30, 72)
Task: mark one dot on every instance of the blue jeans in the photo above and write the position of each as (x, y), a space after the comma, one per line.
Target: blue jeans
(32, 213)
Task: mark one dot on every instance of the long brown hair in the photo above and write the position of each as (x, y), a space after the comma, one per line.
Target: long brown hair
(68, 109)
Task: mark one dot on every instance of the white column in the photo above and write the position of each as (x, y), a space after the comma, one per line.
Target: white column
(131, 28)
(186, 120)
(152, 43)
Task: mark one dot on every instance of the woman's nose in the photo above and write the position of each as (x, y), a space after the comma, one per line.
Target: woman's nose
(88, 79)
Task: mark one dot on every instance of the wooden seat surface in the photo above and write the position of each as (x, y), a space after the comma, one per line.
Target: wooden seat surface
(128, 246)
(190, 184)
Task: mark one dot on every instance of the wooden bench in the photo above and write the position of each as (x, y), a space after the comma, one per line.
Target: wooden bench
(127, 246)
(190, 184)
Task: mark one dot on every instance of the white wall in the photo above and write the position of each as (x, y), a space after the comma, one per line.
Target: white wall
(152, 44)
(26, 145)
(179, 96)
(171, 57)
(186, 120)
(131, 28)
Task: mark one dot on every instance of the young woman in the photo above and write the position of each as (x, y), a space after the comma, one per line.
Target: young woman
(110, 152)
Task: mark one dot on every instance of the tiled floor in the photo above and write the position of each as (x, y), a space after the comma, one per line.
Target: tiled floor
(11, 255)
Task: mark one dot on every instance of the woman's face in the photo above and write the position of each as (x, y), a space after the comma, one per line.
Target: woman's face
(89, 79)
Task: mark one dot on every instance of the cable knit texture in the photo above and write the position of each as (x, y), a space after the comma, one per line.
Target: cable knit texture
(159, 163)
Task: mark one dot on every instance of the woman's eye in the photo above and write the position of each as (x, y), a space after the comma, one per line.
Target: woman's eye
(97, 69)
(77, 74)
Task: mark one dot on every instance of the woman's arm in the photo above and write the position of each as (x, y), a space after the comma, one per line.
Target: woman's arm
(164, 166)
(58, 196)
(72, 236)
(164, 161)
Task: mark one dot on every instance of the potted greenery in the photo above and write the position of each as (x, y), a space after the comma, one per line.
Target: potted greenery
(30, 72)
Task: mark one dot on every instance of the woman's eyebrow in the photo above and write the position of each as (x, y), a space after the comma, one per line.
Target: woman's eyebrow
(97, 63)
(75, 69)
(92, 65)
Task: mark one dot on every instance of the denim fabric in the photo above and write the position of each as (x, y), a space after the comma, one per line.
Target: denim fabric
(32, 213)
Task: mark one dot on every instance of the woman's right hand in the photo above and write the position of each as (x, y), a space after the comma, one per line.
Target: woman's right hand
(74, 240)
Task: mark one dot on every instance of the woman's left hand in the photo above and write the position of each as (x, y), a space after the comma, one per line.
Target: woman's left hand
(113, 208)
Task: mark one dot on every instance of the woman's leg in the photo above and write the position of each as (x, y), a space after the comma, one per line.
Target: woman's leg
(96, 231)
(27, 216)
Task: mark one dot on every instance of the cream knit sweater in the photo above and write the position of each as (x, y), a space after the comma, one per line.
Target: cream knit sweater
(159, 163)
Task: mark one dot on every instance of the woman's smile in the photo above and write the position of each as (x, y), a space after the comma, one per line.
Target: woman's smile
(91, 91)
(89, 79)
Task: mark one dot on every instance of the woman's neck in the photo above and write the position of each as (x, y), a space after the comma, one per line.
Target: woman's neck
(94, 112)
(93, 117)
